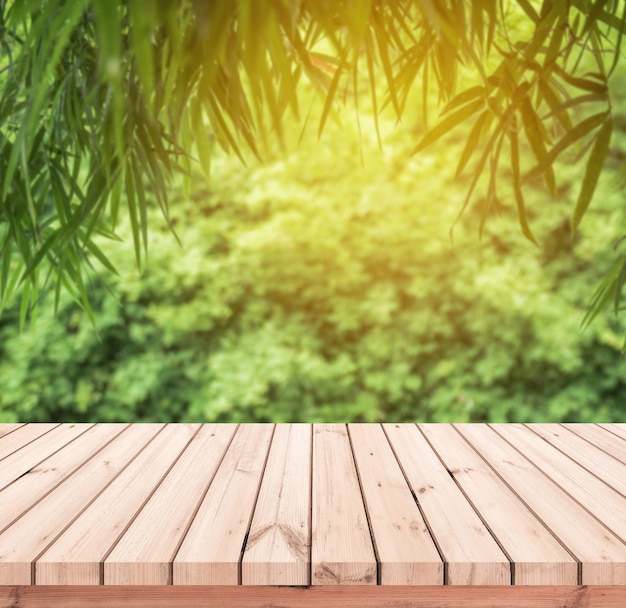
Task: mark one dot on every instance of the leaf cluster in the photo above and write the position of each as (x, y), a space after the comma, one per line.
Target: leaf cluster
(104, 98)
(301, 296)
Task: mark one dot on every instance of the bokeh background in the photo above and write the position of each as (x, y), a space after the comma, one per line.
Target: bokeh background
(336, 281)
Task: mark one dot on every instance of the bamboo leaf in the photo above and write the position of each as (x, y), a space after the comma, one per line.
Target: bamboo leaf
(383, 52)
(492, 194)
(517, 186)
(593, 15)
(592, 171)
(479, 168)
(465, 97)
(473, 141)
(100, 256)
(448, 123)
(134, 221)
(599, 88)
(529, 9)
(110, 54)
(144, 19)
(602, 295)
(533, 128)
(580, 130)
(575, 101)
(142, 203)
(542, 30)
(552, 99)
(330, 95)
(619, 284)
(201, 139)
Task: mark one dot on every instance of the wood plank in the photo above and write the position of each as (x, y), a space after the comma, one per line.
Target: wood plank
(538, 557)
(471, 554)
(278, 550)
(406, 552)
(211, 551)
(14, 439)
(9, 427)
(603, 555)
(616, 429)
(605, 439)
(42, 476)
(611, 470)
(601, 500)
(341, 549)
(144, 553)
(23, 542)
(382, 596)
(35, 448)
(74, 558)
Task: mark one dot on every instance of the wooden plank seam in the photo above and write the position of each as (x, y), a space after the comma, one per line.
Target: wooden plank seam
(143, 504)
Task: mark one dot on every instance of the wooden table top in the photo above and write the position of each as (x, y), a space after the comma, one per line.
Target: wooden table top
(322, 504)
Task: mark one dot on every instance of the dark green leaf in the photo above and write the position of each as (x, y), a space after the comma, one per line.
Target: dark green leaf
(473, 142)
(517, 186)
(580, 130)
(447, 124)
(535, 135)
(592, 171)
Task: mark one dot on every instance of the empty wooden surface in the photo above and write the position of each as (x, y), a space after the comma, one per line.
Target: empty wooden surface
(365, 505)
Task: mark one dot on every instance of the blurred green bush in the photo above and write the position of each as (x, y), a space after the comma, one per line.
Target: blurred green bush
(317, 289)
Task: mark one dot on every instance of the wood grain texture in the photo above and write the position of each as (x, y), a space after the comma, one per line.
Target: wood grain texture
(144, 553)
(538, 557)
(31, 534)
(406, 552)
(38, 447)
(211, 551)
(588, 490)
(472, 555)
(278, 550)
(74, 558)
(13, 439)
(156, 596)
(342, 552)
(603, 465)
(611, 439)
(42, 476)
(332, 506)
(602, 554)
(9, 427)
(617, 429)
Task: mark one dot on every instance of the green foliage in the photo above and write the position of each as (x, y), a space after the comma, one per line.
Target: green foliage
(101, 97)
(315, 289)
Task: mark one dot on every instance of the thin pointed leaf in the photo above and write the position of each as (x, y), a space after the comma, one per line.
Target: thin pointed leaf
(465, 97)
(600, 88)
(330, 96)
(592, 171)
(579, 131)
(534, 133)
(619, 284)
(602, 295)
(473, 140)
(517, 186)
(134, 221)
(555, 103)
(100, 256)
(448, 123)
(575, 101)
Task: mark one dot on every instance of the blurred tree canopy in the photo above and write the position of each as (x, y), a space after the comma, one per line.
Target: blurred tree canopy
(102, 102)
(311, 288)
